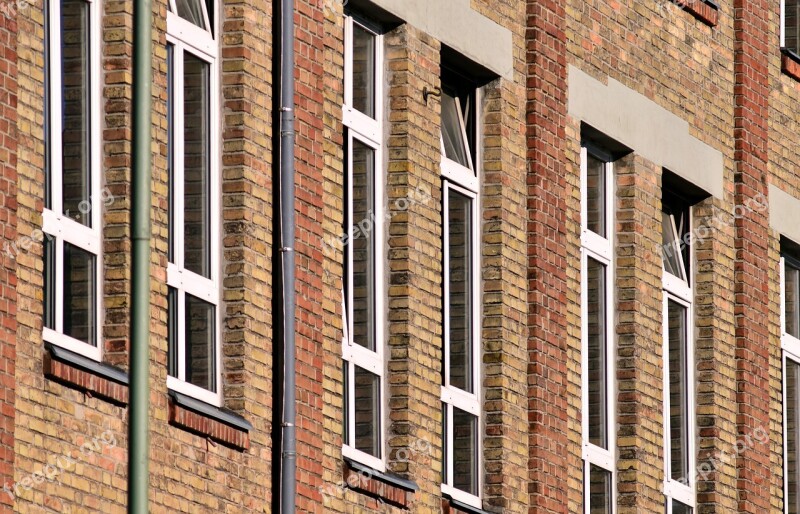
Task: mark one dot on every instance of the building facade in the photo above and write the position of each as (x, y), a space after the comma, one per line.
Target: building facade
(547, 254)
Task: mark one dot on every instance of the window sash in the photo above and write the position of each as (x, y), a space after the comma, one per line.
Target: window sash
(58, 227)
(790, 25)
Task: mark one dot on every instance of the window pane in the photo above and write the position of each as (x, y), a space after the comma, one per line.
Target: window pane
(362, 245)
(80, 294)
(596, 195)
(792, 436)
(171, 149)
(200, 336)
(363, 70)
(368, 412)
(459, 223)
(465, 451)
(445, 445)
(596, 339)
(680, 508)
(792, 25)
(678, 391)
(49, 282)
(671, 246)
(75, 118)
(197, 173)
(455, 147)
(172, 335)
(792, 299)
(191, 10)
(600, 494)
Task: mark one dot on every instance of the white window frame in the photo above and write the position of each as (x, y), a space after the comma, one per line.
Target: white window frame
(368, 131)
(790, 347)
(185, 36)
(601, 249)
(57, 225)
(681, 292)
(463, 180)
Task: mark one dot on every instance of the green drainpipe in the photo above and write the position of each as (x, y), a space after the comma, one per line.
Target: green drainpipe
(138, 474)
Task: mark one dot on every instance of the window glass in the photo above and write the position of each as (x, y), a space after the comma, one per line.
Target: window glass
(200, 334)
(596, 307)
(367, 412)
(600, 491)
(459, 219)
(192, 11)
(671, 246)
(596, 195)
(363, 70)
(792, 298)
(465, 451)
(80, 292)
(792, 436)
(678, 391)
(197, 172)
(680, 508)
(453, 132)
(792, 25)
(363, 245)
(172, 335)
(75, 109)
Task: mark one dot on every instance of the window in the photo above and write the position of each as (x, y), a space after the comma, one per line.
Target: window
(363, 345)
(461, 382)
(193, 272)
(790, 342)
(790, 25)
(597, 334)
(678, 352)
(72, 215)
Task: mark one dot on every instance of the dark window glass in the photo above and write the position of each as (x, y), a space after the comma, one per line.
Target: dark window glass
(600, 495)
(456, 147)
(675, 237)
(367, 412)
(465, 451)
(80, 294)
(49, 282)
(792, 436)
(680, 508)
(678, 391)
(597, 344)
(596, 195)
(362, 245)
(75, 111)
(792, 25)
(197, 172)
(200, 335)
(172, 335)
(792, 298)
(171, 148)
(460, 280)
(363, 70)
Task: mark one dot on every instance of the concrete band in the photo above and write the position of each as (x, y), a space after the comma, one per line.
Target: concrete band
(644, 126)
(784, 211)
(455, 24)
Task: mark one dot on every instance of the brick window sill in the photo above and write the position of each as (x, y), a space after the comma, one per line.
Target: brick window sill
(218, 424)
(707, 11)
(790, 63)
(94, 378)
(451, 506)
(386, 487)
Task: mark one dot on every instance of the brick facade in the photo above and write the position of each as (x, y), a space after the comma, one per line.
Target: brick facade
(718, 88)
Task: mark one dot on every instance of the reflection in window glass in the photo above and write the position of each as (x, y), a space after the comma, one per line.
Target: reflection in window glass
(792, 299)
(362, 245)
(191, 11)
(459, 222)
(792, 436)
(200, 333)
(600, 492)
(678, 391)
(596, 347)
(75, 109)
(172, 334)
(367, 412)
(197, 171)
(596, 195)
(363, 71)
(792, 25)
(453, 132)
(465, 451)
(80, 294)
(680, 508)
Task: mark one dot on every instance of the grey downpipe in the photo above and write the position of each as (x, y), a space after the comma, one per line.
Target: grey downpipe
(287, 220)
(138, 461)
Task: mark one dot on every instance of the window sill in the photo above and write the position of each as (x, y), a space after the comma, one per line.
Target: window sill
(78, 372)
(386, 487)
(451, 506)
(218, 424)
(790, 63)
(707, 11)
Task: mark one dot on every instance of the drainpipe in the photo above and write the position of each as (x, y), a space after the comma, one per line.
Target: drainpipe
(287, 221)
(139, 389)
